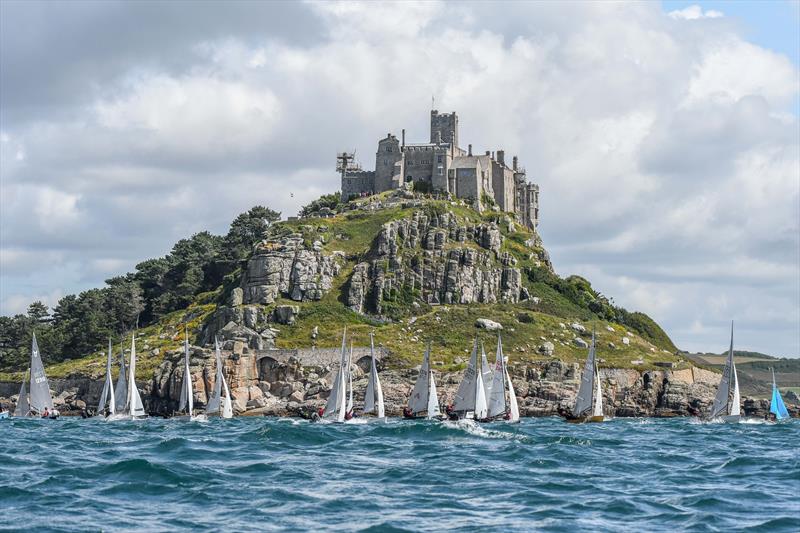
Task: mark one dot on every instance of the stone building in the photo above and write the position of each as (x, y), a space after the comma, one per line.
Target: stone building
(441, 166)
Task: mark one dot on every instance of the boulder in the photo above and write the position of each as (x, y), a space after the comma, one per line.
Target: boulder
(285, 314)
(580, 343)
(578, 327)
(489, 325)
(626, 341)
(236, 298)
(547, 348)
(296, 396)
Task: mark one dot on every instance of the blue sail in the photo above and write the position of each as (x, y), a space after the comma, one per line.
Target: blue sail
(776, 406)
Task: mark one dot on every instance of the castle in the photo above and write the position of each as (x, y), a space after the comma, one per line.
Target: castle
(441, 166)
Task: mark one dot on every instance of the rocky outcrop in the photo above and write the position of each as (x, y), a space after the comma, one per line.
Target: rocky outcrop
(440, 259)
(284, 266)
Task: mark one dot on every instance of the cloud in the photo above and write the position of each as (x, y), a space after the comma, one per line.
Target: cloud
(695, 12)
(666, 151)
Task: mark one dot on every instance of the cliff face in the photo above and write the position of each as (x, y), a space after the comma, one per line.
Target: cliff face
(446, 260)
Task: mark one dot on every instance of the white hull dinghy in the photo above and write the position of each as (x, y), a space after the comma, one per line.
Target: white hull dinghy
(589, 403)
(502, 398)
(726, 406)
(218, 405)
(424, 401)
(373, 398)
(134, 409)
(470, 400)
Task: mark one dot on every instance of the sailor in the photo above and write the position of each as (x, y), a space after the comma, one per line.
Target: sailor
(348, 415)
(46, 413)
(316, 416)
(407, 412)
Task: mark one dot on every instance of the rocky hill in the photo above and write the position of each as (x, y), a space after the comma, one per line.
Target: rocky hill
(411, 270)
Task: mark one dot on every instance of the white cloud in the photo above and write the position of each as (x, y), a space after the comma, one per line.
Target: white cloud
(695, 12)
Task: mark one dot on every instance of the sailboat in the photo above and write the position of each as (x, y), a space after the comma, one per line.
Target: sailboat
(776, 405)
(121, 389)
(107, 396)
(470, 400)
(589, 403)
(133, 405)
(373, 399)
(23, 407)
(724, 407)
(186, 404)
(424, 398)
(217, 405)
(502, 398)
(39, 398)
(336, 408)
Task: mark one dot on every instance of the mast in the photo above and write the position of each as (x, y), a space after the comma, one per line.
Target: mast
(722, 399)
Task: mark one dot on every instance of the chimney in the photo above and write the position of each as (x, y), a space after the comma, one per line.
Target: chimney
(469, 148)
(403, 136)
(487, 152)
(501, 157)
(514, 163)
(492, 156)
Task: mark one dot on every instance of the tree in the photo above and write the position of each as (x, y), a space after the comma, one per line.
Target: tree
(331, 201)
(246, 231)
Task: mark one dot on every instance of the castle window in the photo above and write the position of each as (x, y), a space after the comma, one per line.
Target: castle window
(439, 158)
(441, 171)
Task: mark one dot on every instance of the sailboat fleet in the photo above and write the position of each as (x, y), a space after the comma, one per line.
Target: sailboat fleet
(485, 394)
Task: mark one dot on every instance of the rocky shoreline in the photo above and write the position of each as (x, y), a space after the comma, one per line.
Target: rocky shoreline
(264, 383)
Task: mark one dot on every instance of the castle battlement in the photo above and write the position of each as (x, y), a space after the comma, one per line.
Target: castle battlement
(442, 166)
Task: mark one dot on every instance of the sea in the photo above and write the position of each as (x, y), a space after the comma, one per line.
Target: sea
(271, 474)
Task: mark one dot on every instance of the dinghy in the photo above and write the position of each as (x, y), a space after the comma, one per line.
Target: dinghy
(724, 407)
(23, 407)
(470, 399)
(186, 405)
(502, 398)
(107, 396)
(336, 408)
(121, 389)
(133, 406)
(589, 403)
(424, 402)
(776, 406)
(40, 401)
(373, 399)
(217, 405)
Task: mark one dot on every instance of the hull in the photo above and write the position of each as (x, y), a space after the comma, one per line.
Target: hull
(3, 415)
(116, 417)
(731, 419)
(585, 419)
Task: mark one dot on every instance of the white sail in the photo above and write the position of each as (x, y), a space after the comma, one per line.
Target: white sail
(350, 380)
(187, 395)
(584, 400)
(481, 408)
(23, 407)
(497, 396)
(721, 400)
(513, 408)
(433, 397)
(216, 400)
(336, 401)
(736, 401)
(107, 396)
(486, 372)
(598, 396)
(420, 395)
(227, 407)
(466, 396)
(39, 397)
(373, 399)
(134, 407)
(121, 394)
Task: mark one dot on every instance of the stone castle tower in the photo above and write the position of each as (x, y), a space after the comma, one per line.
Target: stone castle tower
(441, 166)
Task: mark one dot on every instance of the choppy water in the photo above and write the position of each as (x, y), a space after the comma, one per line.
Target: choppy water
(250, 474)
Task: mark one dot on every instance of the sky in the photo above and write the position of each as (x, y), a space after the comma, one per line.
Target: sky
(664, 137)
